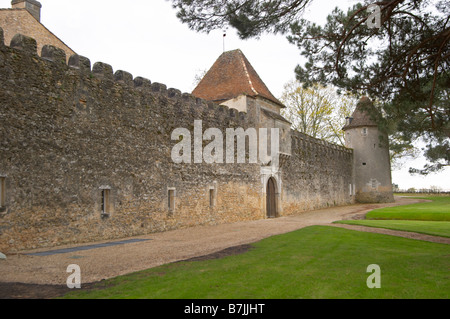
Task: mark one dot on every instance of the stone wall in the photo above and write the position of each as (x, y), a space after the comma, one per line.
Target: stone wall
(317, 175)
(68, 132)
(85, 155)
(371, 164)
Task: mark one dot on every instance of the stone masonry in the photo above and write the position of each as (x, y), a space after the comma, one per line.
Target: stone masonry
(85, 155)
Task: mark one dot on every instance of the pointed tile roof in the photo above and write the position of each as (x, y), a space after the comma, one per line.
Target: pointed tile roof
(362, 114)
(230, 76)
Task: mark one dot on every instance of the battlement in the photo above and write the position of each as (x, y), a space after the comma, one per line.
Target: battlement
(304, 141)
(186, 101)
(86, 154)
(104, 72)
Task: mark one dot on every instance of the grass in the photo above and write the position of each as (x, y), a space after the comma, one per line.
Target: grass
(434, 228)
(436, 210)
(313, 262)
(431, 218)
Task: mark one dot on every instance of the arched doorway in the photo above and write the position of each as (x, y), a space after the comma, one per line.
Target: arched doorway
(271, 198)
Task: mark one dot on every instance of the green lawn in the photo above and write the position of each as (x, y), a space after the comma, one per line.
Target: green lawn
(434, 228)
(437, 210)
(313, 262)
(432, 218)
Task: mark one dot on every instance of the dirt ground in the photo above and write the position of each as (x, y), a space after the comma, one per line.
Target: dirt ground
(40, 277)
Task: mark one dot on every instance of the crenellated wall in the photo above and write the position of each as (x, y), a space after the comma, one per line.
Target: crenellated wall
(317, 175)
(77, 140)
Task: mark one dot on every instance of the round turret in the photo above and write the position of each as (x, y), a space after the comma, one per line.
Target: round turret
(371, 162)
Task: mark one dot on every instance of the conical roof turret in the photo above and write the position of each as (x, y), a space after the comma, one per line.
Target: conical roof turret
(363, 115)
(231, 76)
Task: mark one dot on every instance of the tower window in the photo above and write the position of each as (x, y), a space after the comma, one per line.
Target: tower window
(351, 188)
(374, 183)
(364, 131)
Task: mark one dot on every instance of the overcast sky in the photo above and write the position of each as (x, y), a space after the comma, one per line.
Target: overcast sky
(145, 38)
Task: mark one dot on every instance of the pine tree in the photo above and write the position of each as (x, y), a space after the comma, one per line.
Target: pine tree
(395, 51)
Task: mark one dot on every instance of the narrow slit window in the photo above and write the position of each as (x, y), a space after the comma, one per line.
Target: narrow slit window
(171, 199)
(212, 197)
(106, 201)
(2, 192)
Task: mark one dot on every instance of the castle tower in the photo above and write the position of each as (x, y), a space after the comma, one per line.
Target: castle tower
(32, 6)
(232, 81)
(371, 162)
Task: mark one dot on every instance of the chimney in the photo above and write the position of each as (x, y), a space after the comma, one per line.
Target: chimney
(348, 120)
(32, 6)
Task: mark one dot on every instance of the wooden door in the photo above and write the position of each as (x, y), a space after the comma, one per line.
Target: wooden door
(271, 203)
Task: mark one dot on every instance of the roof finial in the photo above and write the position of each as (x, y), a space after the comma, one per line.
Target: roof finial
(224, 36)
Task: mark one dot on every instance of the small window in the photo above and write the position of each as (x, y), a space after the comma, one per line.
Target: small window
(2, 192)
(105, 201)
(351, 189)
(374, 183)
(364, 131)
(364, 164)
(212, 197)
(171, 199)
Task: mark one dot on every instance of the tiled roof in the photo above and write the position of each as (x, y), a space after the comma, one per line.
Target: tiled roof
(362, 114)
(231, 76)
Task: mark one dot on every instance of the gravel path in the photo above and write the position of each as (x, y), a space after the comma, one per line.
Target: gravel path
(20, 271)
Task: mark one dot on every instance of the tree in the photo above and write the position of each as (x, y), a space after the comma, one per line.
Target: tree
(249, 18)
(399, 150)
(320, 112)
(403, 62)
(198, 77)
(317, 111)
